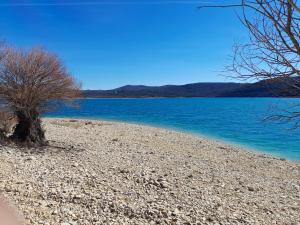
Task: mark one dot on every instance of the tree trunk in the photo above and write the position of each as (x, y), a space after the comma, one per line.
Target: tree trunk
(29, 130)
(3, 137)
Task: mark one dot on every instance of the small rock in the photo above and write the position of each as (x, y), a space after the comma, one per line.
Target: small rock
(251, 189)
(164, 184)
(75, 165)
(30, 158)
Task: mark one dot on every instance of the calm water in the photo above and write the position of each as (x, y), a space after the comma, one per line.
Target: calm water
(237, 120)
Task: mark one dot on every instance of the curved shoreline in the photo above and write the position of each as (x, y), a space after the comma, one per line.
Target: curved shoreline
(103, 172)
(221, 140)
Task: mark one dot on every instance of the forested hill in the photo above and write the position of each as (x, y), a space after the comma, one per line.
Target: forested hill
(259, 89)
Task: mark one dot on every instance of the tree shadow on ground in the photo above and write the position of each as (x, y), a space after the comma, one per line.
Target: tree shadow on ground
(52, 147)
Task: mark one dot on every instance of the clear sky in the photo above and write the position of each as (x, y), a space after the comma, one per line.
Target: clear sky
(106, 44)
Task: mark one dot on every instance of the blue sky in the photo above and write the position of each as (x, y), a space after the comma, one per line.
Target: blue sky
(106, 44)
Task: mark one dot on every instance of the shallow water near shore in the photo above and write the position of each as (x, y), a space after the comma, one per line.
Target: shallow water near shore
(235, 120)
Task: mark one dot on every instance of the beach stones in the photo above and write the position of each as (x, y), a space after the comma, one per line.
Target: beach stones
(155, 176)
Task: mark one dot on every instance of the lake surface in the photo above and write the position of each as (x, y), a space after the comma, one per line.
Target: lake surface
(235, 120)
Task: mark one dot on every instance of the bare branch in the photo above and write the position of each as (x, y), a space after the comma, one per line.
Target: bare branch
(273, 49)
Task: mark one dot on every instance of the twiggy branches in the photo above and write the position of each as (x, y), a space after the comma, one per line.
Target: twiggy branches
(29, 80)
(273, 49)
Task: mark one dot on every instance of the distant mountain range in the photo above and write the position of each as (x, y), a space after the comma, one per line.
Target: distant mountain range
(259, 89)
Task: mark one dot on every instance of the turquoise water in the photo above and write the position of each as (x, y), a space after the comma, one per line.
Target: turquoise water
(236, 120)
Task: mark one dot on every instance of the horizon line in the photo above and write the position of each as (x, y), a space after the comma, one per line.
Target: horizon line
(162, 85)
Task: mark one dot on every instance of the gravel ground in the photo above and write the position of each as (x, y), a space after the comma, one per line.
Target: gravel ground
(98, 172)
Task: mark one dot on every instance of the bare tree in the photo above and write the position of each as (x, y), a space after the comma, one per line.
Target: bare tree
(29, 81)
(273, 50)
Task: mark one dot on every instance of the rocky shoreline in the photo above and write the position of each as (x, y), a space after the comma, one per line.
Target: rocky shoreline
(98, 172)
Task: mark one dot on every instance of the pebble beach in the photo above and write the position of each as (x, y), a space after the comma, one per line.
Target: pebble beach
(111, 173)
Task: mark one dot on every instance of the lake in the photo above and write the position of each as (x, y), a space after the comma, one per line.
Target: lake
(235, 120)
